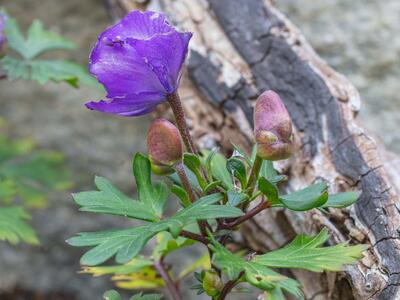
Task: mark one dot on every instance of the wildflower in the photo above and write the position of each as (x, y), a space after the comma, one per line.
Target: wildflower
(272, 127)
(139, 62)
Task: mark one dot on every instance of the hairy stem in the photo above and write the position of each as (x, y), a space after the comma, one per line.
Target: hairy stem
(177, 109)
(188, 188)
(159, 265)
(255, 170)
(229, 286)
(185, 181)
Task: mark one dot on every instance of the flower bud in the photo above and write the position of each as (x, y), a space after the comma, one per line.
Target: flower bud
(165, 146)
(212, 284)
(272, 127)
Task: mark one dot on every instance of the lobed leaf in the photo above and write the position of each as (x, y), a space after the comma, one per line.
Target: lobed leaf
(13, 226)
(253, 272)
(30, 174)
(305, 252)
(43, 71)
(109, 200)
(153, 197)
(127, 243)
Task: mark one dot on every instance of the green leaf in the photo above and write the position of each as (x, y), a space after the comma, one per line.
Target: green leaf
(167, 244)
(38, 40)
(268, 171)
(182, 195)
(217, 165)
(152, 196)
(307, 198)
(109, 200)
(140, 296)
(127, 243)
(306, 252)
(235, 198)
(253, 272)
(29, 173)
(13, 226)
(237, 168)
(203, 262)
(194, 164)
(269, 190)
(192, 179)
(340, 200)
(242, 154)
(112, 295)
(43, 71)
(7, 191)
(211, 186)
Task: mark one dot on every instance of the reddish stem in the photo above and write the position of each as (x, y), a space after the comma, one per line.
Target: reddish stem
(186, 185)
(229, 286)
(159, 265)
(194, 236)
(177, 109)
(251, 213)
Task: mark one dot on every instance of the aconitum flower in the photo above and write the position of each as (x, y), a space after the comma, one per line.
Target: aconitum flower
(139, 62)
(272, 127)
(3, 19)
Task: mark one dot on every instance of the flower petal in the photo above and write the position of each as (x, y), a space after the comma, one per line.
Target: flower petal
(122, 71)
(130, 105)
(165, 54)
(139, 25)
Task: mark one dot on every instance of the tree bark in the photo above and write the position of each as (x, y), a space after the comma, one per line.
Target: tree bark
(243, 47)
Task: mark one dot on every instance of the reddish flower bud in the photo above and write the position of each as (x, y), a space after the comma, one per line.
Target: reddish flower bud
(165, 146)
(272, 127)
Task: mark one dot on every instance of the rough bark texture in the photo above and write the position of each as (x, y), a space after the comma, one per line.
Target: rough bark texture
(243, 47)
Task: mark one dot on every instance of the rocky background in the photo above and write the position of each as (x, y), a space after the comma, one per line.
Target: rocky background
(358, 38)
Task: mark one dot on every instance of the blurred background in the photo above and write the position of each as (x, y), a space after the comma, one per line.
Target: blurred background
(359, 38)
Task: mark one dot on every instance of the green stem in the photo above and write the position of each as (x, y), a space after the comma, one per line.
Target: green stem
(177, 109)
(254, 175)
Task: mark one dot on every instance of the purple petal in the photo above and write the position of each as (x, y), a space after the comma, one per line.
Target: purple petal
(165, 54)
(139, 25)
(142, 55)
(130, 105)
(122, 71)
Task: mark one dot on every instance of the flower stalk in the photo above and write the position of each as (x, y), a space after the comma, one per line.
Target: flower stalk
(255, 171)
(176, 106)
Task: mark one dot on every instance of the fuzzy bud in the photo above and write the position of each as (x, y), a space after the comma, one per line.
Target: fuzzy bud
(165, 146)
(272, 127)
(212, 284)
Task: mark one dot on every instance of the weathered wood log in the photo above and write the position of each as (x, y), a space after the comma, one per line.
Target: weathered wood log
(243, 47)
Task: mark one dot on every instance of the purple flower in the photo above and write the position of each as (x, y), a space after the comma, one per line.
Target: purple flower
(3, 19)
(139, 62)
